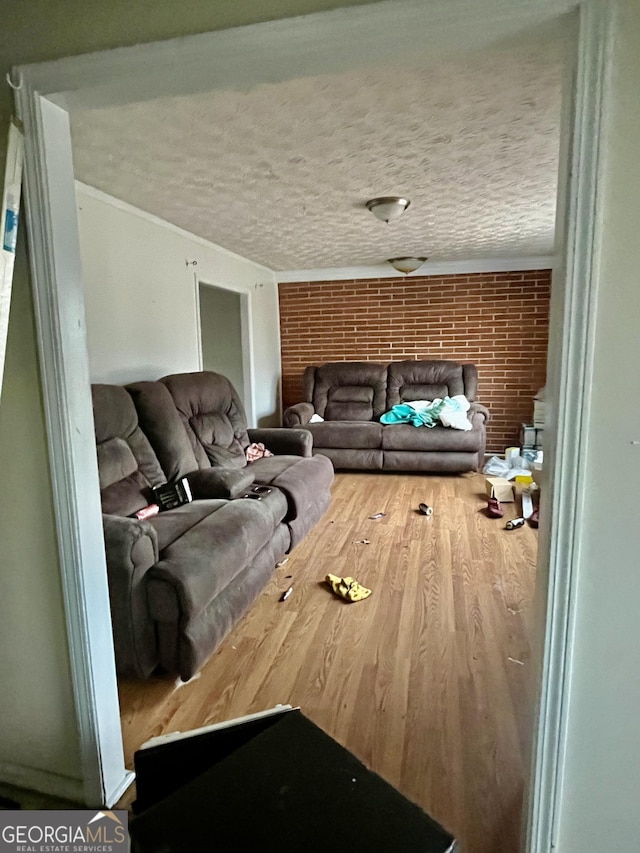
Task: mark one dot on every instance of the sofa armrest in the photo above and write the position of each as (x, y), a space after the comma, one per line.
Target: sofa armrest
(219, 482)
(130, 544)
(479, 409)
(297, 415)
(291, 442)
(131, 548)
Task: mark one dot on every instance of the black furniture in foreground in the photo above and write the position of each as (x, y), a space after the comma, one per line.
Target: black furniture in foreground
(278, 784)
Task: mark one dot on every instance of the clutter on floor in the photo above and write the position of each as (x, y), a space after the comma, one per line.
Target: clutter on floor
(286, 594)
(514, 478)
(531, 434)
(425, 509)
(500, 489)
(494, 508)
(527, 502)
(347, 588)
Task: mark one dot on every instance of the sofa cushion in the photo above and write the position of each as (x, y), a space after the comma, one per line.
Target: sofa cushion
(213, 417)
(161, 423)
(115, 461)
(350, 402)
(198, 565)
(173, 523)
(363, 435)
(126, 496)
(432, 462)
(440, 438)
(370, 459)
(303, 482)
(127, 465)
(350, 391)
(426, 380)
(275, 504)
(267, 470)
(131, 549)
(217, 436)
(301, 479)
(185, 649)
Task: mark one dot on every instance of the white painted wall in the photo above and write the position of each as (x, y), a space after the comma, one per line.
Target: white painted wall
(38, 737)
(601, 785)
(141, 298)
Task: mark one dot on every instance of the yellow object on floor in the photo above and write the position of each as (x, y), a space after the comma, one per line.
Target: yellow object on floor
(347, 588)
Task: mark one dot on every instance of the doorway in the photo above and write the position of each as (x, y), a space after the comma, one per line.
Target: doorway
(51, 257)
(224, 338)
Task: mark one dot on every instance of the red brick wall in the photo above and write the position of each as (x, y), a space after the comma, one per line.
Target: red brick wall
(498, 321)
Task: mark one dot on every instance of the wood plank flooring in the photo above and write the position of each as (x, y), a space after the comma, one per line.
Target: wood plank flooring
(427, 681)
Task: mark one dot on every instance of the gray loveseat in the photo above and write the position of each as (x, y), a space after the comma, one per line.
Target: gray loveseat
(180, 580)
(351, 397)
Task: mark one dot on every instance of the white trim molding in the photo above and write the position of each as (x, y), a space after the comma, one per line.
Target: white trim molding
(242, 57)
(467, 267)
(570, 371)
(59, 307)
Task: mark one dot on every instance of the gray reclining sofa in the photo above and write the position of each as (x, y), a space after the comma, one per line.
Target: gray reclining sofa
(351, 397)
(180, 580)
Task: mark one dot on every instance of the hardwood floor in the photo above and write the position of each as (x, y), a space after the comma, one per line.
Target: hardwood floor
(427, 681)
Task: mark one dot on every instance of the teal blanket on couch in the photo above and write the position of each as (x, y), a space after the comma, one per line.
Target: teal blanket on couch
(425, 414)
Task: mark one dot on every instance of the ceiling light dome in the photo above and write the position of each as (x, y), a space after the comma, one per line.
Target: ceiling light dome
(388, 207)
(406, 265)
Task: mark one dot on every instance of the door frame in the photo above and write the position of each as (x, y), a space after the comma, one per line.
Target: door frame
(289, 46)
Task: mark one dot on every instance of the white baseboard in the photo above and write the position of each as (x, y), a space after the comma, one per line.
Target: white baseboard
(43, 781)
(112, 797)
(56, 785)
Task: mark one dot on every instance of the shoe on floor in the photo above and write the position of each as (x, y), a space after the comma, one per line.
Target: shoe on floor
(494, 508)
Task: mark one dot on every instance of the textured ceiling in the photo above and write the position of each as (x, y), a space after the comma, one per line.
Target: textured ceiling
(280, 173)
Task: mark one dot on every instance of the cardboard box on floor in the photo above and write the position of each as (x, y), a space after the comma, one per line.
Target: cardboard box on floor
(500, 488)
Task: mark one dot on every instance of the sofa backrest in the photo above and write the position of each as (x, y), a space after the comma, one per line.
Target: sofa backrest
(161, 423)
(426, 380)
(348, 391)
(127, 465)
(213, 417)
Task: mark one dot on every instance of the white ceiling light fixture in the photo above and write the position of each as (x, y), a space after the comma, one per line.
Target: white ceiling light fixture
(388, 207)
(406, 265)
